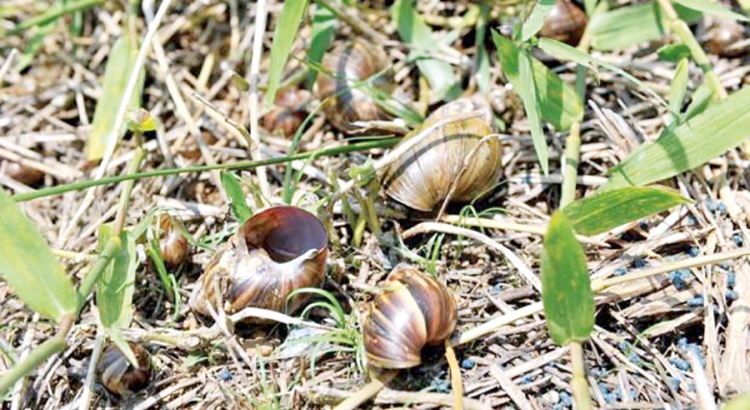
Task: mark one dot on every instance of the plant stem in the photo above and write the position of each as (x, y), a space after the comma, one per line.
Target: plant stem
(61, 189)
(88, 282)
(456, 384)
(44, 351)
(127, 189)
(681, 30)
(570, 164)
(578, 384)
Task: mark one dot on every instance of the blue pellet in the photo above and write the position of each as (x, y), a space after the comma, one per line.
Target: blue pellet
(721, 208)
(620, 271)
(738, 239)
(731, 279)
(732, 295)
(633, 357)
(566, 399)
(468, 364)
(225, 375)
(691, 220)
(674, 382)
(679, 278)
(694, 251)
(724, 265)
(696, 301)
(682, 343)
(680, 363)
(710, 205)
(639, 263)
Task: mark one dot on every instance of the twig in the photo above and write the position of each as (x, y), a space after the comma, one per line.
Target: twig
(260, 28)
(376, 384)
(508, 226)
(578, 384)
(456, 384)
(88, 384)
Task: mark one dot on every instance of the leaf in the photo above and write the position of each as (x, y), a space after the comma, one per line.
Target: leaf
(528, 93)
(610, 209)
(673, 52)
(703, 97)
(740, 402)
(283, 39)
(323, 27)
(237, 197)
(566, 286)
(57, 10)
(715, 9)
(119, 68)
(29, 267)
(123, 345)
(678, 88)
(414, 31)
(719, 128)
(559, 104)
(535, 21)
(114, 291)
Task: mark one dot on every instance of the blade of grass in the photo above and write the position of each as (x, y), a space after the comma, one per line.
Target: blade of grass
(233, 189)
(29, 267)
(323, 26)
(715, 9)
(719, 128)
(528, 93)
(114, 290)
(678, 89)
(535, 21)
(283, 39)
(57, 10)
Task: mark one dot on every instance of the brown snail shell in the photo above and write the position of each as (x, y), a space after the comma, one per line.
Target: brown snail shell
(348, 65)
(722, 35)
(118, 375)
(566, 22)
(424, 177)
(288, 113)
(172, 244)
(273, 253)
(23, 174)
(412, 311)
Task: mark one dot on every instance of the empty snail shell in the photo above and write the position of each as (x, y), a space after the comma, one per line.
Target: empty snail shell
(412, 311)
(348, 65)
(451, 158)
(118, 375)
(275, 252)
(23, 174)
(173, 244)
(288, 113)
(723, 35)
(566, 22)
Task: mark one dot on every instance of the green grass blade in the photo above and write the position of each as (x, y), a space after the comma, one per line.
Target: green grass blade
(236, 195)
(719, 128)
(678, 88)
(559, 104)
(610, 209)
(535, 21)
(414, 31)
(323, 27)
(59, 9)
(674, 52)
(283, 39)
(703, 97)
(566, 286)
(114, 291)
(119, 66)
(29, 267)
(714, 9)
(528, 93)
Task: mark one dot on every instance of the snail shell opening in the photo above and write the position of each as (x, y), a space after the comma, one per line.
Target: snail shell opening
(274, 253)
(120, 377)
(412, 311)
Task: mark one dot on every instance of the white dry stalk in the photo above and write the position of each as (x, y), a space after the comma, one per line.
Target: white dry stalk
(702, 388)
(120, 118)
(28, 338)
(88, 384)
(260, 28)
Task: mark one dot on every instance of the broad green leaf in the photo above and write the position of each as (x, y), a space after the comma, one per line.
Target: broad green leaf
(114, 291)
(283, 39)
(712, 8)
(123, 345)
(323, 27)
(702, 98)
(566, 286)
(234, 192)
(631, 25)
(414, 31)
(673, 52)
(559, 104)
(719, 128)
(678, 88)
(590, 6)
(116, 75)
(610, 209)
(740, 402)
(34, 45)
(528, 93)
(57, 10)
(535, 21)
(29, 267)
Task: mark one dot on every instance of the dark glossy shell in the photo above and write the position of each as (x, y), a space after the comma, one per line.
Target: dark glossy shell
(288, 113)
(23, 174)
(173, 244)
(412, 311)
(723, 34)
(566, 22)
(274, 253)
(348, 65)
(423, 178)
(120, 377)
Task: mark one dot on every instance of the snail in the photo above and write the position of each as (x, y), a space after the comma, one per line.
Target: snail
(451, 158)
(273, 253)
(172, 243)
(23, 174)
(566, 22)
(723, 35)
(412, 311)
(288, 113)
(348, 65)
(118, 375)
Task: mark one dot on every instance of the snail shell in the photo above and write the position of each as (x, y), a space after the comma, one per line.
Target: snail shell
(424, 177)
(23, 174)
(566, 22)
(274, 253)
(348, 65)
(173, 244)
(412, 311)
(289, 111)
(118, 375)
(723, 35)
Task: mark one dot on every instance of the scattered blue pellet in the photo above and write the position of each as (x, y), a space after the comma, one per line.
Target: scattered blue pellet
(693, 251)
(721, 208)
(468, 364)
(497, 288)
(643, 225)
(724, 265)
(633, 357)
(527, 380)
(679, 278)
(623, 345)
(696, 301)
(682, 343)
(565, 399)
(618, 393)
(710, 205)
(732, 295)
(731, 279)
(620, 271)
(691, 220)
(225, 375)
(680, 363)
(738, 239)
(608, 395)
(674, 382)
(639, 263)
(441, 386)
(633, 394)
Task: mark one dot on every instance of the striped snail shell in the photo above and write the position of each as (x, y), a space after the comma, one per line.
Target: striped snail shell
(118, 375)
(566, 22)
(288, 111)
(172, 243)
(349, 64)
(412, 311)
(275, 252)
(451, 157)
